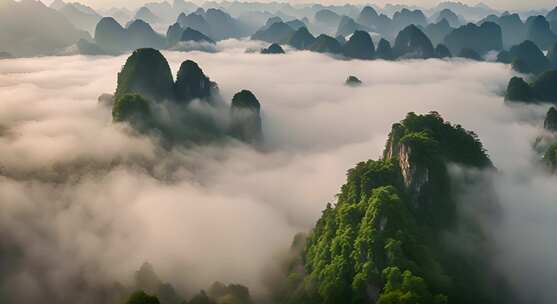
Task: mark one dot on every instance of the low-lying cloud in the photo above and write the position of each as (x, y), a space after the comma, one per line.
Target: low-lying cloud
(85, 198)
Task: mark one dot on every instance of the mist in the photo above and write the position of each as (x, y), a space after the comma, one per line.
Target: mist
(87, 200)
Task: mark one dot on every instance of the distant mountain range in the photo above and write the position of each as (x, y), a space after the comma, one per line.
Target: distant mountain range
(66, 24)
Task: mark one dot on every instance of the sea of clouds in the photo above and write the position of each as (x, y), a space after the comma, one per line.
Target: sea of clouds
(84, 202)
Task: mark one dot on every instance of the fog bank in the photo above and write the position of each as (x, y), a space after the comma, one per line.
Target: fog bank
(89, 199)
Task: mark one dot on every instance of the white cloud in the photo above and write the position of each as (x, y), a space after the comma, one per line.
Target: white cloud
(87, 198)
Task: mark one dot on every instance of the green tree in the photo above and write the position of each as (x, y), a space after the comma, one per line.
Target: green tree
(140, 297)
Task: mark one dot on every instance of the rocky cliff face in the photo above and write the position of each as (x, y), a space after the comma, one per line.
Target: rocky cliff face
(415, 175)
(359, 46)
(413, 43)
(391, 217)
(192, 83)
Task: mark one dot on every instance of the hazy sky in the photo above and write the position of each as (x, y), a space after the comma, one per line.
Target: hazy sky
(499, 4)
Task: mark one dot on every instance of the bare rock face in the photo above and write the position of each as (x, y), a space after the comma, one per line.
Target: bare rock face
(415, 175)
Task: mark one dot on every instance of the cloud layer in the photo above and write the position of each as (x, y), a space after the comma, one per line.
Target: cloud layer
(89, 199)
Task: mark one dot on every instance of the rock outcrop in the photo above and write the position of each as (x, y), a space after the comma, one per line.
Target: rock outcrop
(359, 46)
(353, 81)
(542, 89)
(550, 122)
(273, 49)
(110, 35)
(147, 73)
(391, 208)
(438, 31)
(540, 33)
(384, 50)
(411, 42)
(278, 32)
(471, 54)
(192, 83)
(301, 39)
(482, 39)
(326, 44)
(519, 90)
(190, 34)
(441, 51)
(246, 117)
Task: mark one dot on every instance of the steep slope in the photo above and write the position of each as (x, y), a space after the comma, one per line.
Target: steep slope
(326, 44)
(278, 32)
(359, 46)
(542, 89)
(273, 49)
(384, 50)
(382, 241)
(146, 72)
(111, 36)
(82, 17)
(192, 35)
(192, 83)
(540, 33)
(411, 42)
(438, 31)
(481, 39)
(347, 26)
(526, 58)
(142, 35)
(29, 28)
(196, 22)
(246, 117)
(301, 39)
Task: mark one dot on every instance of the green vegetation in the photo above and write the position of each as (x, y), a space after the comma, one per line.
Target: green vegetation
(190, 34)
(550, 157)
(192, 83)
(359, 46)
(155, 105)
(245, 117)
(482, 39)
(552, 56)
(273, 49)
(229, 294)
(411, 42)
(151, 290)
(353, 81)
(441, 51)
(382, 241)
(545, 86)
(470, 54)
(519, 90)
(384, 50)
(278, 32)
(550, 122)
(326, 44)
(132, 108)
(542, 89)
(526, 58)
(140, 297)
(301, 39)
(146, 72)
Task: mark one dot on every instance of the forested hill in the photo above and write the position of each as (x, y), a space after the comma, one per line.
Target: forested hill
(384, 240)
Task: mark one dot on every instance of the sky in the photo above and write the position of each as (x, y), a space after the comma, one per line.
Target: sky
(91, 200)
(497, 4)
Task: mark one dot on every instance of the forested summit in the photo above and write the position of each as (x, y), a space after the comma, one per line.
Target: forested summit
(383, 241)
